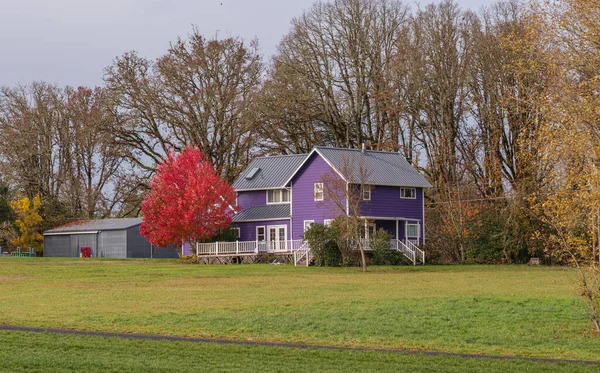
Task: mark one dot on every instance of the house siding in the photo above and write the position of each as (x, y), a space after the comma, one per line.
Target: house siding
(386, 202)
(304, 206)
(251, 198)
(248, 229)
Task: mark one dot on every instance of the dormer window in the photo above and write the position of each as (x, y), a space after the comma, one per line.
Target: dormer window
(278, 196)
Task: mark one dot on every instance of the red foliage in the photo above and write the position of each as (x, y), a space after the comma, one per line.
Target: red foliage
(187, 201)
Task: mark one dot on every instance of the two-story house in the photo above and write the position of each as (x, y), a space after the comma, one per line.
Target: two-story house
(280, 196)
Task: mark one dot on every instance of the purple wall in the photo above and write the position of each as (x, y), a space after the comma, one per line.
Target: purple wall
(248, 229)
(386, 201)
(252, 198)
(304, 206)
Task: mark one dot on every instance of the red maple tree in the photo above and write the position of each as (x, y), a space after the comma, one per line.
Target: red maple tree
(187, 201)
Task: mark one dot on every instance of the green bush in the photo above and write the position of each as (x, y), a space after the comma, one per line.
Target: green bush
(323, 244)
(382, 252)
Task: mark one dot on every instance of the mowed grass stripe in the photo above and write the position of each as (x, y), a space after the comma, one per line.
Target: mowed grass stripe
(492, 310)
(13, 328)
(43, 352)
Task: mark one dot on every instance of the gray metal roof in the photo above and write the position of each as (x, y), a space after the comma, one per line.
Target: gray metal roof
(373, 167)
(273, 172)
(265, 212)
(96, 225)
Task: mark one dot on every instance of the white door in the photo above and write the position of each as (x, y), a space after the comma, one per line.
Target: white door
(277, 238)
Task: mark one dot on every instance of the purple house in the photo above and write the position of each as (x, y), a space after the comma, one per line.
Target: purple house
(281, 196)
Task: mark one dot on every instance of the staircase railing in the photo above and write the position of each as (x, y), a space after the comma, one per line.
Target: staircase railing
(419, 254)
(408, 252)
(302, 252)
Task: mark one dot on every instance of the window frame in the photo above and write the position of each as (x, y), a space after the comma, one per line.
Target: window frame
(304, 224)
(264, 234)
(318, 185)
(414, 193)
(417, 230)
(280, 194)
(327, 222)
(365, 188)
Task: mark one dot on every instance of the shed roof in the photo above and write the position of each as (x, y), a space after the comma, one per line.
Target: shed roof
(264, 212)
(373, 167)
(96, 225)
(269, 172)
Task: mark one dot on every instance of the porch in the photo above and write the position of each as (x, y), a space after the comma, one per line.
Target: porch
(298, 250)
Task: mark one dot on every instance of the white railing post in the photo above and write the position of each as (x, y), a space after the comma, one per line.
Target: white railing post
(237, 247)
(217, 248)
(197, 244)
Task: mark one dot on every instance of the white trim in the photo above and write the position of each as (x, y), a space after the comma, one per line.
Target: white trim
(423, 216)
(264, 234)
(258, 189)
(327, 222)
(386, 218)
(364, 188)
(314, 150)
(304, 224)
(76, 232)
(406, 225)
(280, 194)
(414, 189)
(315, 192)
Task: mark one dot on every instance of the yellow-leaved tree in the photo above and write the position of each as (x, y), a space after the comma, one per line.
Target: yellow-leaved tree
(569, 204)
(28, 221)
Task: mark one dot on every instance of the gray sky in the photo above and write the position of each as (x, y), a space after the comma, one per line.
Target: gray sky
(69, 42)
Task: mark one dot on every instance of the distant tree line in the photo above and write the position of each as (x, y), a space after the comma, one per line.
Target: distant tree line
(462, 95)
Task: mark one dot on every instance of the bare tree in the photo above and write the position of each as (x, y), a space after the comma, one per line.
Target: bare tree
(199, 93)
(342, 194)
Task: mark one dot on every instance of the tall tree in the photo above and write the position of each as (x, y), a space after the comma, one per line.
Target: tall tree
(199, 93)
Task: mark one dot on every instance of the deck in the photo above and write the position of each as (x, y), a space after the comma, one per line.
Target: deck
(289, 251)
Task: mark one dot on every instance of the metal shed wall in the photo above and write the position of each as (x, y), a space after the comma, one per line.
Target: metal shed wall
(112, 244)
(139, 247)
(57, 245)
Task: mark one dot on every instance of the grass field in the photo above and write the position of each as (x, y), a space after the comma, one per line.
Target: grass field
(495, 310)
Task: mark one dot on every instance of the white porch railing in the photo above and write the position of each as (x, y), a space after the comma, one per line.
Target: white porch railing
(246, 247)
(299, 248)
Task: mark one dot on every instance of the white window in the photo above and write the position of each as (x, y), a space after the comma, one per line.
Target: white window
(412, 230)
(366, 192)
(410, 193)
(327, 222)
(307, 224)
(318, 191)
(236, 232)
(278, 196)
(260, 234)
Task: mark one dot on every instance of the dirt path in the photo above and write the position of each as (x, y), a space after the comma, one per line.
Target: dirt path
(155, 337)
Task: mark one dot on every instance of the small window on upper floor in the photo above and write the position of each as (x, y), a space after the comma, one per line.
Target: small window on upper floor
(278, 196)
(318, 191)
(410, 193)
(366, 192)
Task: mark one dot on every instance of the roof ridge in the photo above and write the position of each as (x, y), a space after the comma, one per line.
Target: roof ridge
(280, 156)
(358, 150)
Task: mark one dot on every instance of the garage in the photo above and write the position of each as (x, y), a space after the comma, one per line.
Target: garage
(104, 238)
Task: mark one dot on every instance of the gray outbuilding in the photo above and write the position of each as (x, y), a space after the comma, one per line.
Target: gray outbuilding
(107, 238)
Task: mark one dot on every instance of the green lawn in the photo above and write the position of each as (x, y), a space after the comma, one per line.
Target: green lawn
(44, 353)
(496, 310)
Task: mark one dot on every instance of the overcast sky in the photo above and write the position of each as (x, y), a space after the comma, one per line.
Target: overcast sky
(69, 42)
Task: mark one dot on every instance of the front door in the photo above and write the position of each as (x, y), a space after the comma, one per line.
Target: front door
(277, 238)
